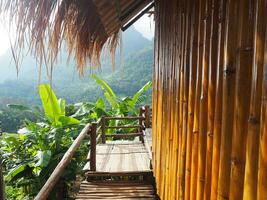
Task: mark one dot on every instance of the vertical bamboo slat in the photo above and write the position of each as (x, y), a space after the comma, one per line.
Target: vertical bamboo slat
(243, 85)
(228, 99)
(191, 97)
(213, 57)
(262, 168)
(218, 105)
(250, 182)
(198, 61)
(203, 114)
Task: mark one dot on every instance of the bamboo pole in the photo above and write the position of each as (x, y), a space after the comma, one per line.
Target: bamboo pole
(185, 75)
(203, 116)
(168, 106)
(218, 105)
(228, 99)
(191, 97)
(180, 90)
(213, 57)
(243, 87)
(194, 165)
(156, 96)
(250, 182)
(174, 182)
(262, 173)
(159, 119)
(262, 167)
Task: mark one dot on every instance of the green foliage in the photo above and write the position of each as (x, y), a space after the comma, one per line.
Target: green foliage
(31, 154)
(122, 106)
(54, 109)
(12, 119)
(126, 105)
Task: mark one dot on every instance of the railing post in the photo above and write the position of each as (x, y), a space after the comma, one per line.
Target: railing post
(103, 129)
(147, 116)
(141, 138)
(93, 147)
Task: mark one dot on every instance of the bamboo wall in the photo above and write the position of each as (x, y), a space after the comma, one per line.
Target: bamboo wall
(209, 99)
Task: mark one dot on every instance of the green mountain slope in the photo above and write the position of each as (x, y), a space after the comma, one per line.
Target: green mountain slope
(129, 75)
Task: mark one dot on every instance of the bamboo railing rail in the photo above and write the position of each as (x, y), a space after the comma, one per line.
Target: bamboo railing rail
(209, 99)
(97, 131)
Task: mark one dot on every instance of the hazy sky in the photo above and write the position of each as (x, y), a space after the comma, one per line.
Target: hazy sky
(144, 25)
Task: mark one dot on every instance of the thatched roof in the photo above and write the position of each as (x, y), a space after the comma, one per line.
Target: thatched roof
(85, 25)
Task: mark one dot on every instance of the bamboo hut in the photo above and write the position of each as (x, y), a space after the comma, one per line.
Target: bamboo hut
(209, 83)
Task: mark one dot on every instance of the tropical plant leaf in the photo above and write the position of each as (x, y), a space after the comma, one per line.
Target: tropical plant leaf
(112, 101)
(104, 85)
(62, 104)
(109, 93)
(100, 103)
(43, 158)
(138, 94)
(50, 103)
(15, 171)
(66, 121)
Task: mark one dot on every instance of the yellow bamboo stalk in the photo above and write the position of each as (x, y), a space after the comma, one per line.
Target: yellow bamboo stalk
(191, 98)
(251, 169)
(194, 165)
(211, 94)
(228, 99)
(262, 173)
(181, 89)
(243, 87)
(173, 140)
(204, 100)
(185, 74)
(218, 105)
(262, 168)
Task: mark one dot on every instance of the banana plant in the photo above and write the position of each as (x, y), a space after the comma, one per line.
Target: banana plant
(122, 106)
(31, 155)
(54, 108)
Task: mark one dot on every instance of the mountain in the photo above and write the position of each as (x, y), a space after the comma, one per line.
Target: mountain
(134, 70)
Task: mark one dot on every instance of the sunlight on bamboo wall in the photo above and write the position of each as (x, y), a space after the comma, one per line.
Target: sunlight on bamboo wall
(209, 99)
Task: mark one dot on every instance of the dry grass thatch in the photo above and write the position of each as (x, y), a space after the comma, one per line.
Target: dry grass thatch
(49, 22)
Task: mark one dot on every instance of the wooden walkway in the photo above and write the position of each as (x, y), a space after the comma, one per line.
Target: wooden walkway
(119, 165)
(121, 157)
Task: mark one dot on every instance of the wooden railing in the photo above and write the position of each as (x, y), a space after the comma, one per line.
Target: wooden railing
(98, 134)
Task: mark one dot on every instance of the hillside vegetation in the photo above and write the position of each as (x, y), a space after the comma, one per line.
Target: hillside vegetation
(133, 69)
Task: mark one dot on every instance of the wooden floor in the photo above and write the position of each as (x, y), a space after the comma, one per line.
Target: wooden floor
(116, 190)
(121, 156)
(122, 172)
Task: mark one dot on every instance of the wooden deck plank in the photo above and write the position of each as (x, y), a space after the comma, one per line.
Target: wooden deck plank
(116, 190)
(121, 156)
